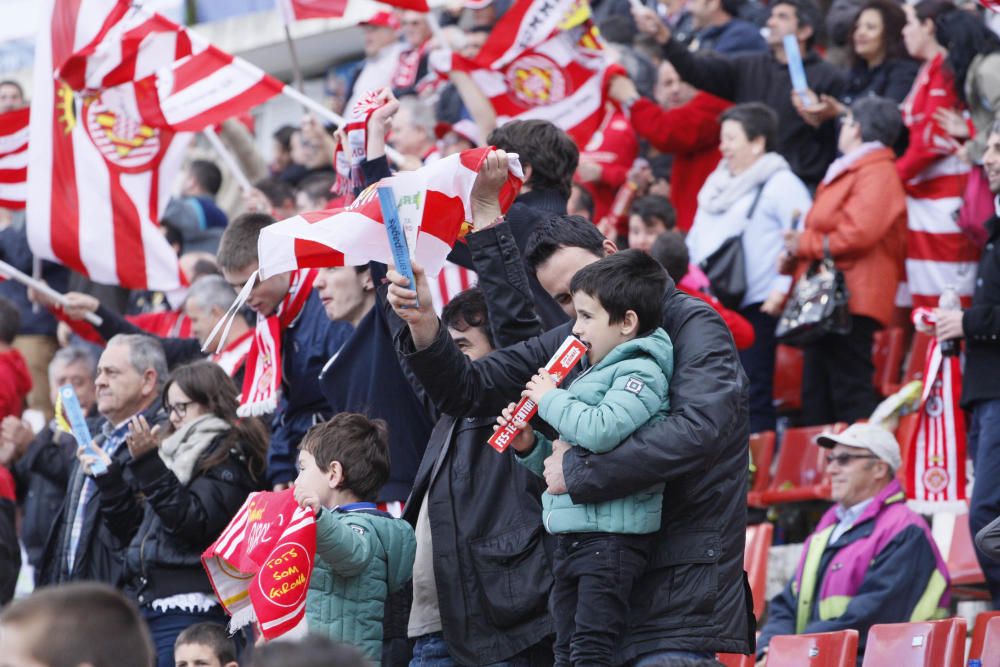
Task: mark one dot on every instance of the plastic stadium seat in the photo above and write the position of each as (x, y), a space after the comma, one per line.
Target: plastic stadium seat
(762, 453)
(735, 659)
(904, 432)
(924, 644)
(787, 389)
(967, 580)
(914, 369)
(986, 639)
(823, 649)
(755, 557)
(887, 355)
(800, 473)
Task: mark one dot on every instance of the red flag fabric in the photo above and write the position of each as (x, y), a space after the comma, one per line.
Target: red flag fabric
(299, 10)
(991, 4)
(562, 80)
(14, 158)
(98, 178)
(437, 194)
(936, 455)
(262, 562)
(527, 24)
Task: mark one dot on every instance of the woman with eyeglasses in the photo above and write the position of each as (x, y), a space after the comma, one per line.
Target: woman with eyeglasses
(193, 481)
(859, 215)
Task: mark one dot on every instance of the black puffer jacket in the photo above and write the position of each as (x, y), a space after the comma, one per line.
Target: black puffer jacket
(167, 532)
(694, 595)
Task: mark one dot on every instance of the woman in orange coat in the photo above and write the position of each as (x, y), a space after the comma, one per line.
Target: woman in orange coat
(860, 212)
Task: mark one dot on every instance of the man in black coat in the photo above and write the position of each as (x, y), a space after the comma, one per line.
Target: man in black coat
(693, 600)
(763, 77)
(980, 326)
(130, 375)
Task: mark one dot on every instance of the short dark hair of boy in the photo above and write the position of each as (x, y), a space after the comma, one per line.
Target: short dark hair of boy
(310, 651)
(238, 246)
(360, 444)
(562, 231)
(10, 321)
(653, 209)
(670, 250)
(551, 154)
(757, 120)
(81, 622)
(212, 635)
(278, 192)
(467, 309)
(207, 175)
(626, 280)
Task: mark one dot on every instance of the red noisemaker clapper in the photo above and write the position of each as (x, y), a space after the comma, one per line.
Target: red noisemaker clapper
(562, 362)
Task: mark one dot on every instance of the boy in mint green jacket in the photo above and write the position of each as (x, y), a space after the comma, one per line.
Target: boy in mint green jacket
(362, 554)
(601, 549)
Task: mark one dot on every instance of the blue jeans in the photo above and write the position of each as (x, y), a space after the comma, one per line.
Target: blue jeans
(165, 626)
(984, 449)
(431, 651)
(658, 658)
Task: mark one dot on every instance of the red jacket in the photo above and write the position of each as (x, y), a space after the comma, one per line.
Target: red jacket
(739, 326)
(691, 133)
(15, 383)
(614, 146)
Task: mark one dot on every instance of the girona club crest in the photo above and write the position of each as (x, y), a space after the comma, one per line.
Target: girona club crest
(536, 80)
(127, 144)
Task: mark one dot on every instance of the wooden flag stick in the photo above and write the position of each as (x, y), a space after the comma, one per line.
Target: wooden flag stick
(37, 285)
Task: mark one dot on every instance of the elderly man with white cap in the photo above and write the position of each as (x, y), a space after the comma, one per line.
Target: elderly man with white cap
(871, 559)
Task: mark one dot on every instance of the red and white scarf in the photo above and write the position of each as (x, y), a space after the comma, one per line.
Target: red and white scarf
(231, 358)
(348, 159)
(262, 380)
(261, 564)
(936, 456)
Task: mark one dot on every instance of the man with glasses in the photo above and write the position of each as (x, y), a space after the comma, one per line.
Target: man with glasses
(871, 559)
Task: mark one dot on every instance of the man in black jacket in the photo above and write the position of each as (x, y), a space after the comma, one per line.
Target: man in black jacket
(763, 77)
(693, 600)
(130, 375)
(980, 326)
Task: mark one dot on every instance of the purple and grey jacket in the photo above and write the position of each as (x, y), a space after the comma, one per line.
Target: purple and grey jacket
(885, 569)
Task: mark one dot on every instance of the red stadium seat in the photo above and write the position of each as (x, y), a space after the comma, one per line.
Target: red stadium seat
(904, 432)
(967, 580)
(986, 629)
(887, 355)
(787, 389)
(755, 557)
(800, 473)
(735, 659)
(924, 644)
(914, 369)
(823, 649)
(762, 453)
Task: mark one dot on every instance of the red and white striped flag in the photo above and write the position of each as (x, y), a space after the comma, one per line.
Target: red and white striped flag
(528, 24)
(134, 46)
(562, 80)
(203, 90)
(300, 10)
(14, 159)
(355, 235)
(98, 179)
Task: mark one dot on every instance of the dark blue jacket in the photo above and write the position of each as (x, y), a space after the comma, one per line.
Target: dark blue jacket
(305, 347)
(736, 36)
(366, 377)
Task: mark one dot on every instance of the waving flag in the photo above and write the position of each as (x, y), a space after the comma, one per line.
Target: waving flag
(562, 80)
(299, 10)
(98, 178)
(355, 235)
(526, 25)
(262, 562)
(14, 158)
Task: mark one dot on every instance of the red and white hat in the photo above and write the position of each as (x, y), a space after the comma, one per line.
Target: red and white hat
(383, 20)
(464, 128)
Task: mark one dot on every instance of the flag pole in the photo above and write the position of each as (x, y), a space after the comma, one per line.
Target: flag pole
(296, 68)
(334, 118)
(228, 158)
(37, 285)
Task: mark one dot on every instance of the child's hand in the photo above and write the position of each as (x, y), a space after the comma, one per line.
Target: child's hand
(525, 440)
(305, 499)
(542, 383)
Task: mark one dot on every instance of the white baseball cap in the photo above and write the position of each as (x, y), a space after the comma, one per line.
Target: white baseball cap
(875, 439)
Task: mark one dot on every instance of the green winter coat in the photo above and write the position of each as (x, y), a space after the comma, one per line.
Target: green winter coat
(600, 409)
(361, 557)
